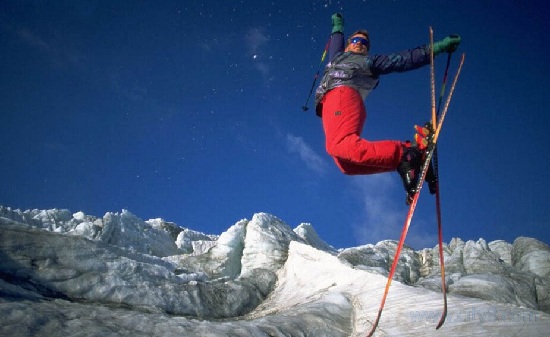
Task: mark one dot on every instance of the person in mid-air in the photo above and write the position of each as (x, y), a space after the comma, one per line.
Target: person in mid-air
(351, 74)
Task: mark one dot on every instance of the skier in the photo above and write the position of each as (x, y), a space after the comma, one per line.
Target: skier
(349, 77)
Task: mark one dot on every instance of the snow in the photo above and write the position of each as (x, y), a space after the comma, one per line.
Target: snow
(68, 274)
(311, 275)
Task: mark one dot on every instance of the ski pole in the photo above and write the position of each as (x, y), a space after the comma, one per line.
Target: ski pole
(444, 82)
(305, 108)
(441, 94)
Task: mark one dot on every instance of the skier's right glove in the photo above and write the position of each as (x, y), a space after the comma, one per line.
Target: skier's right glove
(448, 44)
(337, 23)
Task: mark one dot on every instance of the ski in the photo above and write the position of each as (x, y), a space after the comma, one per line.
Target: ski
(441, 257)
(436, 191)
(424, 170)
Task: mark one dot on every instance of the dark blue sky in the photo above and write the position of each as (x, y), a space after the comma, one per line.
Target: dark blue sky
(191, 111)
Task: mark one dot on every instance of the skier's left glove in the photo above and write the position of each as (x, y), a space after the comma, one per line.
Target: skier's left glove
(337, 23)
(448, 44)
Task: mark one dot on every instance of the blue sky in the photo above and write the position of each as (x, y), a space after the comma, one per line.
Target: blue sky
(191, 112)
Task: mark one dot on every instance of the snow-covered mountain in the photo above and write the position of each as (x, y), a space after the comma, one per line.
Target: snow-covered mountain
(65, 274)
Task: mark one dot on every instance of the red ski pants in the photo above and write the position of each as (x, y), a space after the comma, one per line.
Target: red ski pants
(344, 115)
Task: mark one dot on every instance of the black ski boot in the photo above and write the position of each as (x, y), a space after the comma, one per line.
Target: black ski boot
(412, 159)
(424, 139)
(409, 168)
(431, 179)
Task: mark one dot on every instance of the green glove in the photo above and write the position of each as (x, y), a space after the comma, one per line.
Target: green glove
(448, 44)
(337, 23)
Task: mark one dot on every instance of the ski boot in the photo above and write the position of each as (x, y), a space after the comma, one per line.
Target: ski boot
(431, 179)
(413, 159)
(423, 139)
(409, 168)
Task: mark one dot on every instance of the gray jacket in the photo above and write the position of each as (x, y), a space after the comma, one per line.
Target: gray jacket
(363, 72)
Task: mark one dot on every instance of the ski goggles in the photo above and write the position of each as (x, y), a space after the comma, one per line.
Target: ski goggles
(360, 40)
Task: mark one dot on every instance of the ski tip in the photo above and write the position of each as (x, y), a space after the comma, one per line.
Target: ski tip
(441, 321)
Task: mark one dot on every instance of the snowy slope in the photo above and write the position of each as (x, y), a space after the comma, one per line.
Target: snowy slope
(315, 278)
(64, 274)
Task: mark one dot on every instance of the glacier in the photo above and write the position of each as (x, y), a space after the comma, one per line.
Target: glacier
(72, 274)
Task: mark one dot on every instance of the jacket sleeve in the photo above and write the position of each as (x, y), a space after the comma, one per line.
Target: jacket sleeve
(336, 45)
(398, 62)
